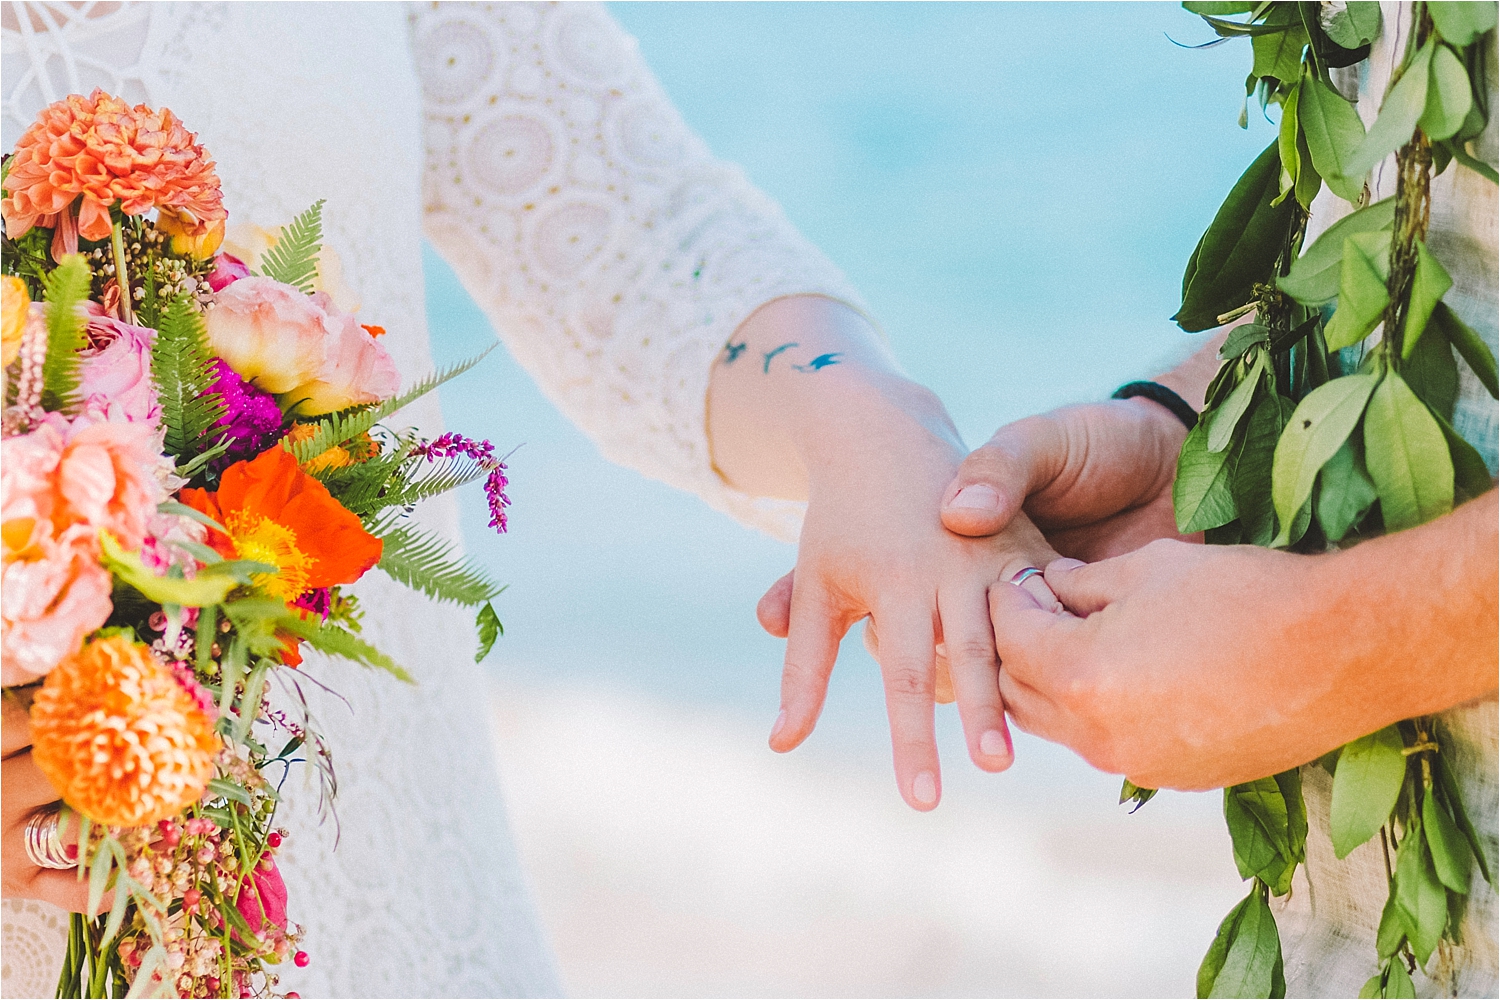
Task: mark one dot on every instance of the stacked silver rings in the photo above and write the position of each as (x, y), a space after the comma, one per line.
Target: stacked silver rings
(43, 845)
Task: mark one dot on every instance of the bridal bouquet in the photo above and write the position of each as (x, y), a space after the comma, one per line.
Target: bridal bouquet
(194, 471)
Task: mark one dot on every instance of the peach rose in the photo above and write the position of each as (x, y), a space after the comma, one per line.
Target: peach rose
(302, 348)
(54, 593)
(115, 376)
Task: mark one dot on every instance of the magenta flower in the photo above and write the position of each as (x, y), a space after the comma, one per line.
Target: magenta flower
(452, 445)
(227, 270)
(251, 416)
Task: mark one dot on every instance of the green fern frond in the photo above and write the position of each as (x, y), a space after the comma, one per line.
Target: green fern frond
(183, 369)
(336, 641)
(448, 475)
(347, 425)
(428, 563)
(361, 488)
(67, 288)
(487, 624)
(294, 259)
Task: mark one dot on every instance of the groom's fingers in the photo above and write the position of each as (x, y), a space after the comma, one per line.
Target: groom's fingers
(907, 640)
(1085, 588)
(775, 608)
(812, 645)
(1033, 644)
(970, 646)
(997, 477)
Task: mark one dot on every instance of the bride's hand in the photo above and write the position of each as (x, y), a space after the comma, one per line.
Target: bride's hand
(24, 790)
(820, 411)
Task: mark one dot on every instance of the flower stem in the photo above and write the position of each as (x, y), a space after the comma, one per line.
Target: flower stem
(122, 276)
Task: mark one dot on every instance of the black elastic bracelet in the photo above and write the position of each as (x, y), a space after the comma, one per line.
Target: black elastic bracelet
(1158, 393)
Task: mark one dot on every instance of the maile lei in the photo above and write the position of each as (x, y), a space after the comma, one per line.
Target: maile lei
(1307, 442)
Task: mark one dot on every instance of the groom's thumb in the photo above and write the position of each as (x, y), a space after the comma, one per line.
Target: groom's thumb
(1083, 588)
(997, 477)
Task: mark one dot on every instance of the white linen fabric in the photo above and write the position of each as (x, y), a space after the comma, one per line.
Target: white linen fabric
(1329, 922)
(614, 255)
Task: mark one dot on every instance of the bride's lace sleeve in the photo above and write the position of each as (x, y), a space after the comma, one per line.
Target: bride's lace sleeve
(610, 249)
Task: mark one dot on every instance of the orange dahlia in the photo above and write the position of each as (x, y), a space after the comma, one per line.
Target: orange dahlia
(275, 513)
(97, 150)
(118, 736)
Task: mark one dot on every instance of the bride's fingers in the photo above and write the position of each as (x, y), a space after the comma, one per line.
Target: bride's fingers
(906, 665)
(970, 643)
(774, 611)
(812, 645)
(15, 724)
(942, 683)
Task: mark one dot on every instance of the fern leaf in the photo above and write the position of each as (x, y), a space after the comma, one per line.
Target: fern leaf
(336, 641)
(294, 259)
(67, 289)
(428, 563)
(350, 424)
(183, 369)
(489, 628)
(449, 475)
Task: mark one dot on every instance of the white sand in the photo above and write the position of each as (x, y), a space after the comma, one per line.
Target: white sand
(672, 854)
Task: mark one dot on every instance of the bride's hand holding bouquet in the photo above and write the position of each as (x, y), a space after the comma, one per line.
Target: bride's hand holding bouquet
(194, 472)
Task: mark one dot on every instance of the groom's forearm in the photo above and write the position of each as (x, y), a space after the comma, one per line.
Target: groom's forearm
(806, 383)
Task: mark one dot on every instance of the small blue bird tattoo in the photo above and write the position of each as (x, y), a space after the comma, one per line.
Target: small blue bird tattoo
(820, 362)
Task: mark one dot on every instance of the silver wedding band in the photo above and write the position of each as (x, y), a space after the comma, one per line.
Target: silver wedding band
(43, 845)
(1025, 574)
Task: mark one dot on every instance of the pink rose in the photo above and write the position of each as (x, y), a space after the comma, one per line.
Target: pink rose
(262, 898)
(300, 347)
(227, 270)
(116, 381)
(54, 593)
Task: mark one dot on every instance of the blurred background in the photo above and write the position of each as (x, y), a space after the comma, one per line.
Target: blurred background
(1015, 188)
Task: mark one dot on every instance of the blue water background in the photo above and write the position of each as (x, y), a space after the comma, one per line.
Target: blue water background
(1013, 187)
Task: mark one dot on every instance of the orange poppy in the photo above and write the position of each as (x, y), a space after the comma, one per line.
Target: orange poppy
(275, 513)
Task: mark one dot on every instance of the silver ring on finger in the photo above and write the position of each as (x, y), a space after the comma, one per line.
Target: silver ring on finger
(1025, 574)
(43, 844)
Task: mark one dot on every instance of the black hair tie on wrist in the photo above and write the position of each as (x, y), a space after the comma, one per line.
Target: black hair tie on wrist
(1158, 393)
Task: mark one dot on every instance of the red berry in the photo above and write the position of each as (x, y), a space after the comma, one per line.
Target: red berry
(301, 959)
(211, 984)
(190, 899)
(294, 996)
(274, 839)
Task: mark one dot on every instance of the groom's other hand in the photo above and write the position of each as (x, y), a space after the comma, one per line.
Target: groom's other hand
(1095, 478)
(1193, 667)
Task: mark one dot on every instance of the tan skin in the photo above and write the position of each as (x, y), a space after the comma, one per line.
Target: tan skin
(1269, 660)
(26, 791)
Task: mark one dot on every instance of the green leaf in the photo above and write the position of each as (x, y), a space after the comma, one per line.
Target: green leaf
(347, 425)
(1278, 54)
(1483, 850)
(1477, 165)
(1420, 897)
(294, 259)
(1398, 984)
(1314, 277)
(1461, 23)
(1365, 788)
(1362, 291)
(116, 915)
(1448, 95)
(1319, 426)
(1242, 338)
(1224, 420)
(336, 641)
(1432, 373)
(1309, 181)
(229, 790)
(1224, 7)
(1450, 852)
(430, 564)
(1239, 248)
(1256, 813)
(1334, 131)
(67, 288)
(1286, 142)
(1201, 493)
(1131, 792)
(1407, 456)
(1371, 989)
(1357, 24)
(1290, 783)
(1469, 345)
(1345, 491)
(1213, 962)
(487, 623)
(1398, 116)
(128, 568)
(1471, 477)
(1251, 484)
(99, 871)
(182, 366)
(1253, 954)
(1429, 283)
(1392, 931)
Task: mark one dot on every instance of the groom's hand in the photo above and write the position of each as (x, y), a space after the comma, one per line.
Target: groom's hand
(1096, 479)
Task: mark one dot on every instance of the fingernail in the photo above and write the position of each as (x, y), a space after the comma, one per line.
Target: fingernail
(780, 724)
(993, 744)
(1066, 563)
(976, 497)
(924, 788)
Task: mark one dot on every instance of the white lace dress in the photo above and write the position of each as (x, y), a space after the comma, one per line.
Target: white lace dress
(613, 254)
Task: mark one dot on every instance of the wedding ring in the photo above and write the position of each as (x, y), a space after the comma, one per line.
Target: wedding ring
(43, 845)
(1025, 574)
